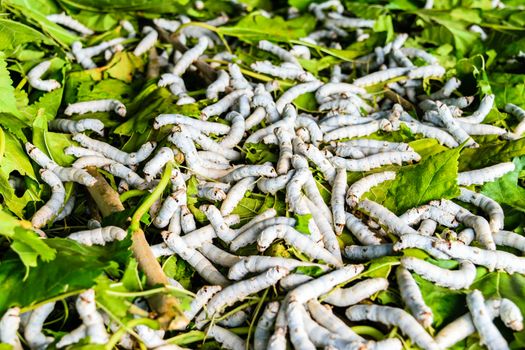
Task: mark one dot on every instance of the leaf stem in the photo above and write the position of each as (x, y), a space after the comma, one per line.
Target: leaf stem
(130, 194)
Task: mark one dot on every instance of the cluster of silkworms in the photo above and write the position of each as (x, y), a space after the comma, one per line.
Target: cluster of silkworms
(308, 312)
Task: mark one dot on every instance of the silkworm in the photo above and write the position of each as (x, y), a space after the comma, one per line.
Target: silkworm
(224, 103)
(295, 239)
(237, 130)
(326, 318)
(369, 252)
(488, 333)
(34, 77)
(128, 27)
(519, 113)
(125, 173)
(462, 327)
(291, 72)
(278, 51)
(218, 256)
(343, 297)
(356, 130)
(421, 242)
(263, 98)
(482, 129)
(317, 157)
(284, 138)
(52, 207)
(219, 85)
(267, 214)
(33, 329)
(375, 160)
(264, 326)
(488, 174)
(360, 231)
(347, 22)
(340, 105)
(337, 200)
(386, 218)
(430, 71)
(289, 116)
(380, 76)
(202, 297)
(298, 334)
(152, 338)
(294, 280)
(452, 126)
(175, 224)
(415, 215)
(226, 338)
(76, 126)
(168, 208)
(447, 89)
(292, 93)
(91, 318)
(154, 166)
(99, 236)
(147, 42)
(460, 102)
(72, 337)
(202, 265)
(483, 110)
(190, 56)
(211, 192)
(511, 315)
(237, 79)
(187, 220)
(96, 106)
(243, 171)
(412, 297)
(509, 239)
(67, 209)
(236, 194)
(256, 264)
(488, 205)
(304, 121)
(275, 184)
(202, 125)
(419, 53)
(236, 319)
(214, 215)
(239, 291)
(69, 22)
(393, 316)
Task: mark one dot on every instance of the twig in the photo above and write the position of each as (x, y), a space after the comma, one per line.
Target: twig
(153, 70)
(166, 306)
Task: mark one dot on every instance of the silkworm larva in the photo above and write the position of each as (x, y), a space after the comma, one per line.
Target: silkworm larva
(412, 297)
(99, 236)
(52, 207)
(34, 77)
(69, 22)
(343, 297)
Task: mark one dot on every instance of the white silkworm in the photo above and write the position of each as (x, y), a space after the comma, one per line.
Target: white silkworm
(272, 185)
(203, 267)
(488, 333)
(33, 329)
(421, 242)
(460, 102)
(412, 297)
(346, 106)
(175, 225)
(219, 85)
(237, 130)
(255, 264)
(96, 106)
(519, 113)
(297, 240)
(52, 207)
(147, 42)
(447, 89)
(214, 157)
(511, 315)
(128, 27)
(211, 192)
(317, 157)
(202, 297)
(488, 205)
(376, 160)
(294, 280)
(290, 72)
(154, 166)
(218, 256)
(166, 24)
(284, 138)
(430, 71)
(125, 173)
(491, 259)
(509, 239)
(99, 236)
(483, 110)
(289, 116)
(226, 338)
(360, 187)
(343, 297)
(203, 126)
(292, 93)
(264, 326)
(326, 91)
(72, 337)
(452, 279)
(360, 231)
(76, 126)
(380, 76)
(452, 126)
(214, 215)
(151, 338)
(187, 220)
(224, 103)
(244, 171)
(304, 121)
(393, 317)
(353, 149)
(69, 22)
(326, 318)
(236, 194)
(9, 324)
(415, 215)
(34, 77)
(385, 218)
(428, 131)
(414, 52)
(190, 56)
(263, 98)
(67, 209)
(462, 327)
(64, 174)
(401, 59)
(341, 21)
(482, 129)
(488, 174)
(169, 207)
(239, 291)
(357, 130)
(91, 318)
(337, 200)
(278, 51)
(237, 79)
(114, 153)
(366, 253)
(236, 319)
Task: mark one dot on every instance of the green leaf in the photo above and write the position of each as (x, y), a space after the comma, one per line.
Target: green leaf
(384, 24)
(259, 153)
(131, 279)
(433, 178)
(75, 267)
(313, 271)
(15, 34)
(7, 92)
(30, 247)
(179, 270)
(490, 154)
(302, 223)
(381, 267)
(255, 27)
(154, 6)
(123, 65)
(506, 189)
(116, 306)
